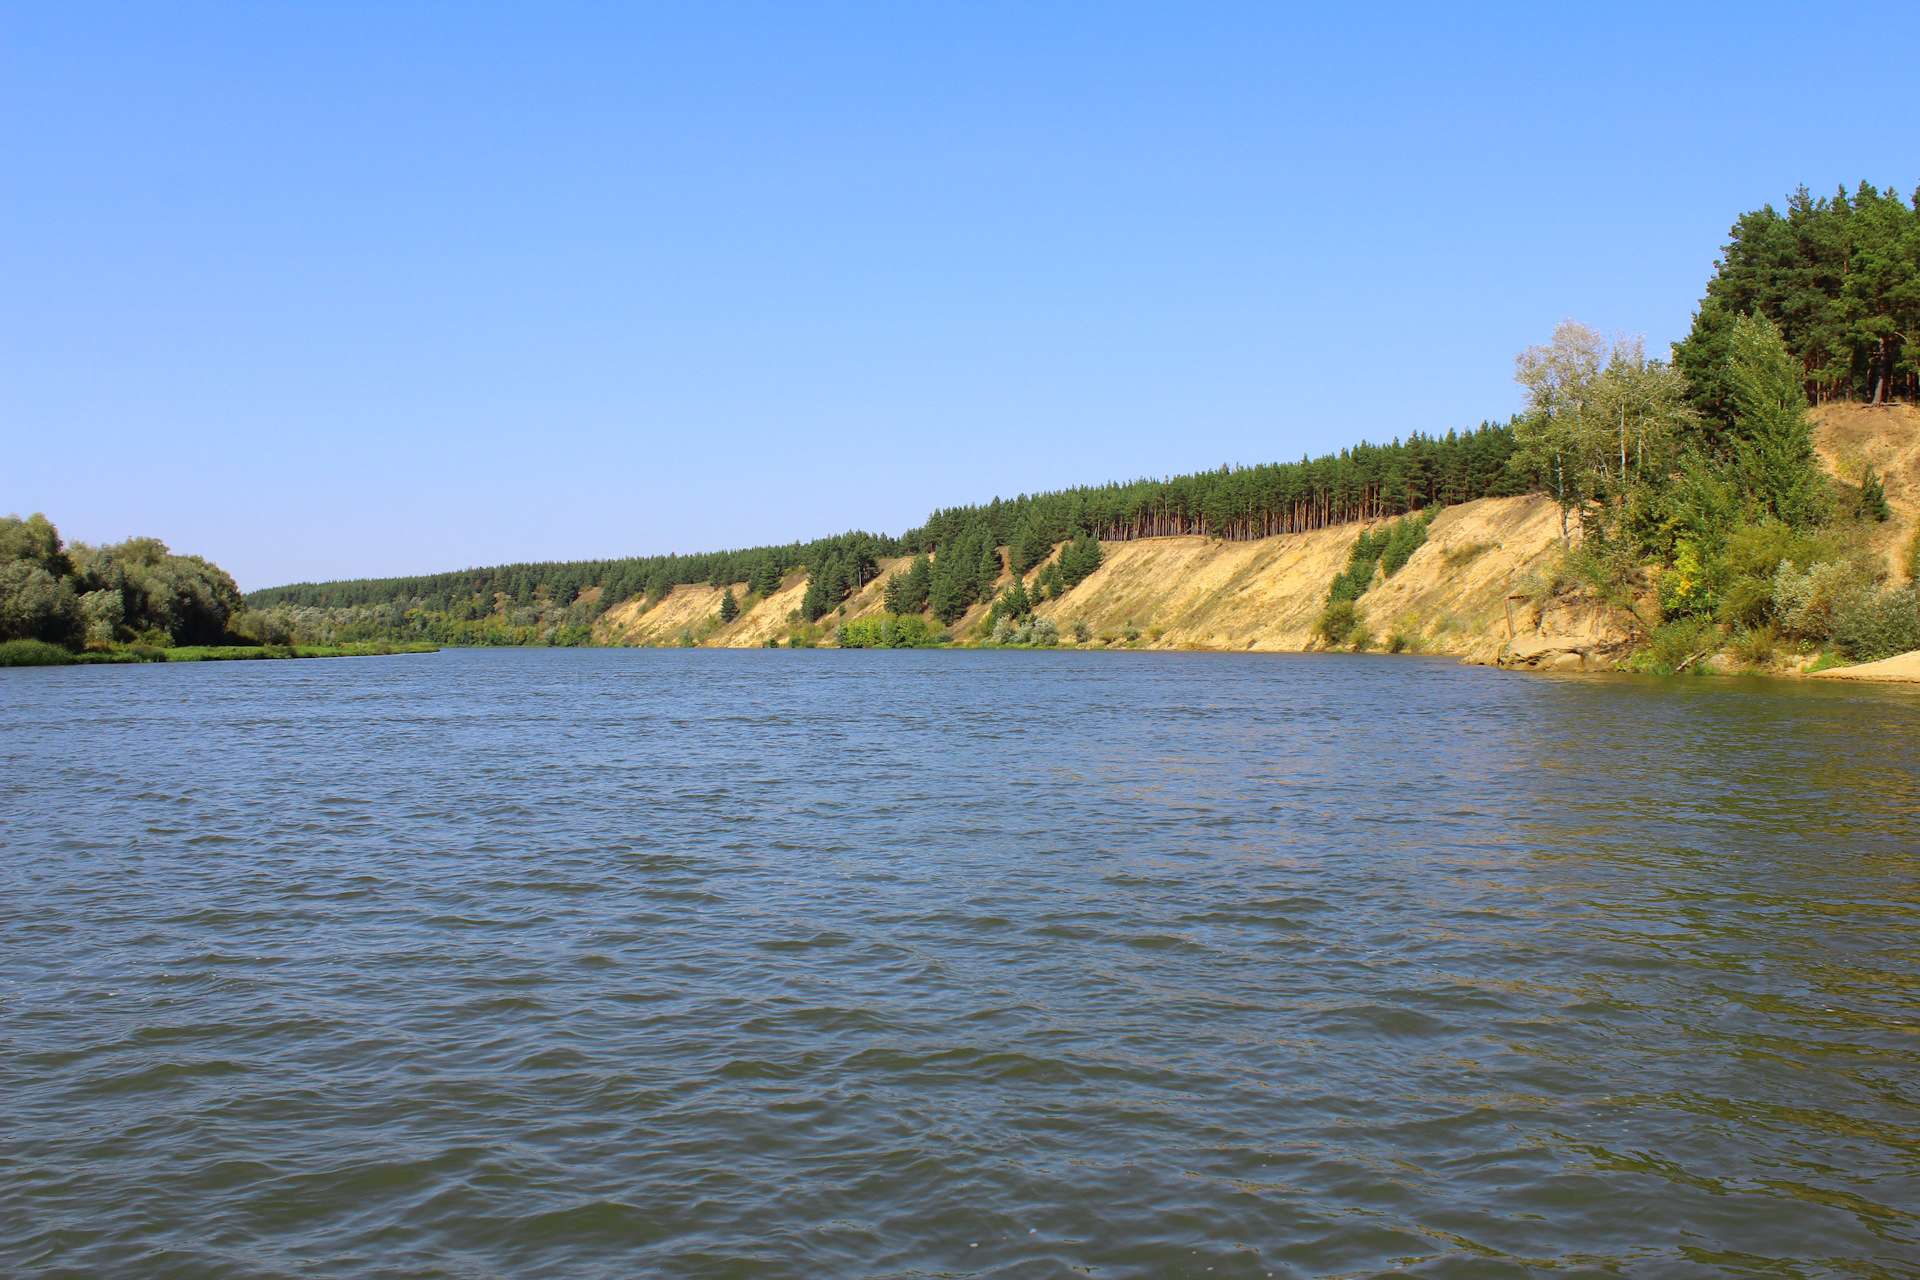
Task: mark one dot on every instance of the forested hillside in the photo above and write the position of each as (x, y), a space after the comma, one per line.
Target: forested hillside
(1654, 460)
(556, 603)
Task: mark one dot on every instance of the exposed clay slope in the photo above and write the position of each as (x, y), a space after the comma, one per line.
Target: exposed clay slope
(1452, 596)
(1193, 592)
(695, 610)
(1851, 437)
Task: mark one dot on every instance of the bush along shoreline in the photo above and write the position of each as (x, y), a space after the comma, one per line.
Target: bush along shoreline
(134, 601)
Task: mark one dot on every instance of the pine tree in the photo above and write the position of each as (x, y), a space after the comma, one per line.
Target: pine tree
(729, 607)
(814, 603)
(919, 585)
(1080, 558)
(952, 589)
(840, 573)
(1873, 497)
(1030, 546)
(1015, 603)
(989, 567)
(1056, 585)
(1773, 447)
(765, 578)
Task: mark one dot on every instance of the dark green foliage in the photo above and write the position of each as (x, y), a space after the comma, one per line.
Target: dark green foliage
(908, 590)
(1078, 559)
(1873, 498)
(36, 605)
(1029, 547)
(1680, 645)
(1387, 548)
(68, 596)
(33, 653)
(1380, 552)
(658, 585)
(1337, 621)
(1052, 580)
(1839, 276)
(34, 541)
(953, 586)
(764, 578)
(888, 631)
(862, 564)
(987, 569)
(1771, 436)
(829, 584)
(1351, 584)
(1015, 603)
(1366, 482)
(819, 597)
(729, 607)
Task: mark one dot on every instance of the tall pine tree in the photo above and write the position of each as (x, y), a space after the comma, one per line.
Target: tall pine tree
(1773, 440)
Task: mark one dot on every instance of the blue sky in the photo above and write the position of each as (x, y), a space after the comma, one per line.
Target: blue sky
(340, 290)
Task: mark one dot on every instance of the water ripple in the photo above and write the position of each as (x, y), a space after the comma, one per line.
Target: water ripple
(609, 963)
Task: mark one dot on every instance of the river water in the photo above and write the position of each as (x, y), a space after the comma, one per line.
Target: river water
(817, 964)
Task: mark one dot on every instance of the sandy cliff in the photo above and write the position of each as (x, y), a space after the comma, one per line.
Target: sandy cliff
(1194, 592)
(1463, 592)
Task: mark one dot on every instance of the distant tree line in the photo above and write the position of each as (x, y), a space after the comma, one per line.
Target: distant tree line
(958, 550)
(475, 594)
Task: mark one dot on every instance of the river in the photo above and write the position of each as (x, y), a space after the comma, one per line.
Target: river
(688, 963)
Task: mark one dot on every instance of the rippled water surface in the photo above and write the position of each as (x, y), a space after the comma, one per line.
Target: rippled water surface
(687, 963)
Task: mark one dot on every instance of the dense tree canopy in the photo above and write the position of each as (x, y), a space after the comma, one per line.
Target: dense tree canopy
(136, 589)
(1840, 276)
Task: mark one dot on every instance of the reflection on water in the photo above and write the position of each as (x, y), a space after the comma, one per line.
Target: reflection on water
(804, 964)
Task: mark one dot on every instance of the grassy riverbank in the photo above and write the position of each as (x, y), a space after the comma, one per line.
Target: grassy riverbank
(37, 653)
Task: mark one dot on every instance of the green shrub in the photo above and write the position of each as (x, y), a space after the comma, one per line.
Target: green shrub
(1808, 604)
(1912, 558)
(33, 653)
(1681, 644)
(1360, 638)
(1879, 626)
(1754, 646)
(886, 631)
(1336, 622)
(1081, 631)
(1872, 502)
(1747, 602)
(1405, 537)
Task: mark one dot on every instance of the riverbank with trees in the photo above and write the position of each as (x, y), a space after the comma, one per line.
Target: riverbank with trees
(133, 601)
(1697, 521)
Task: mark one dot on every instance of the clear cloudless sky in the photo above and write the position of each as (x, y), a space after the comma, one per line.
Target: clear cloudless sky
(336, 290)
